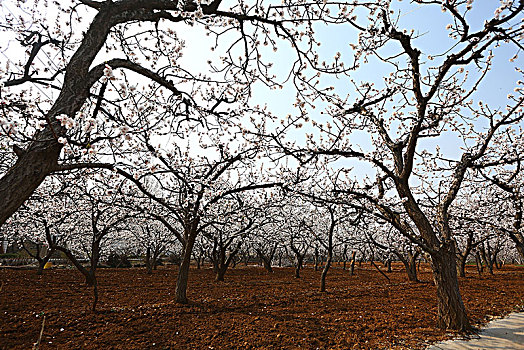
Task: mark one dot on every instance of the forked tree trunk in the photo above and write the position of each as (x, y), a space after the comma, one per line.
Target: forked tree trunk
(42, 262)
(487, 258)
(388, 265)
(183, 271)
(410, 264)
(220, 267)
(498, 264)
(451, 310)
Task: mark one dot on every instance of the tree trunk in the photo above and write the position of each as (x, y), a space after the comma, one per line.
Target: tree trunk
(451, 310)
(352, 266)
(298, 266)
(317, 258)
(155, 262)
(40, 269)
(520, 247)
(183, 271)
(411, 270)
(461, 266)
(324, 274)
(478, 262)
(27, 174)
(40, 158)
(388, 265)
(267, 264)
(42, 262)
(220, 273)
(95, 295)
(148, 261)
(410, 264)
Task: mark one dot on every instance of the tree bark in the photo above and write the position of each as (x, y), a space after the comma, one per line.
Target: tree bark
(388, 265)
(410, 264)
(40, 158)
(519, 246)
(461, 266)
(478, 262)
(317, 259)
(267, 264)
(299, 263)
(324, 273)
(451, 310)
(352, 266)
(183, 271)
(220, 274)
(149, 268)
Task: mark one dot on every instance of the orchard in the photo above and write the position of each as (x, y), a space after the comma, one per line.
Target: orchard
(273, 174)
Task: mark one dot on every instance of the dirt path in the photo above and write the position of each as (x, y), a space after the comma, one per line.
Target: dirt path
(506, 333)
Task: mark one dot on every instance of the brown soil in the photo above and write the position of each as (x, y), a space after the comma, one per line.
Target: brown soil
(251, 310)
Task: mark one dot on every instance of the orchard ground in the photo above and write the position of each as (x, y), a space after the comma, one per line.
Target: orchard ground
(251, 310)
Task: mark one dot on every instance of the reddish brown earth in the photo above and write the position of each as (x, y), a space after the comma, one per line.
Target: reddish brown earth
(251, 310)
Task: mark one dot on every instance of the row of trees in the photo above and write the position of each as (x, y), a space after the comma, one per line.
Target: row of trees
(191, 141)
(84, 218)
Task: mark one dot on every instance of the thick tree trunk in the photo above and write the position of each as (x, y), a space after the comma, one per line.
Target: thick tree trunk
(40, 158)
(267, 264)
(411, 268)
(220, 274)
(27, 174)
(520, 247)
(183, 271)
(451, 310)
(411, 271)
(40, 269)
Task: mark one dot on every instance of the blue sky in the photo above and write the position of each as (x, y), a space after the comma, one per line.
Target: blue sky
(428, 21)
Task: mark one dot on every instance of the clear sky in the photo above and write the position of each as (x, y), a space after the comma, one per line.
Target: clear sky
(430, 23)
